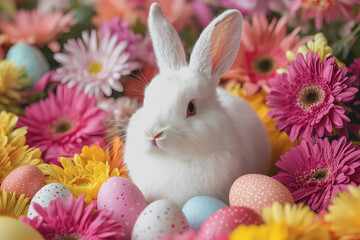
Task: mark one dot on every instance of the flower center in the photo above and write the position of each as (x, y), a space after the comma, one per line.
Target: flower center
(62, 126)
(320, 175)
(264, 65)
(95, 67)
(67, 237)
(81, 181)
(318, 5)
(309, 96)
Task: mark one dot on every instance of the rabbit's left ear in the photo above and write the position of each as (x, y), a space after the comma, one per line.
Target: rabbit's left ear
(218, 45)
(168, 48)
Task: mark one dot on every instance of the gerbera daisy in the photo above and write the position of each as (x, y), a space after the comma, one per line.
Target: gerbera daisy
(354, 67)
(85, 174)
(318, 45)
(70, 220)
(12, 206)
(315, 172)
(344, 214)
(36, 28)
(279, 140)
(62, 124)
(320, 10)
(121, 29)
(13, 151)
(12, 80)
(108, 9)
(96, 65)
(262, 50)
(306, 101)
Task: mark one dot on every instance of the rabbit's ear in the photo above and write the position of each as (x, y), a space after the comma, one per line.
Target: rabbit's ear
(168, 48)
(218, 45)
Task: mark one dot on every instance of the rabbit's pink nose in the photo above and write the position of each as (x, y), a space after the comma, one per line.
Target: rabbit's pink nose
(155, 137)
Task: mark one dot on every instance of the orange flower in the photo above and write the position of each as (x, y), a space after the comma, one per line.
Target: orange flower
(107, 9)
(116, 153)
(36, 28)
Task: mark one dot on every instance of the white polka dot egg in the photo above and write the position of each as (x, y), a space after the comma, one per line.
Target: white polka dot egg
(47, 194)
(160, 219)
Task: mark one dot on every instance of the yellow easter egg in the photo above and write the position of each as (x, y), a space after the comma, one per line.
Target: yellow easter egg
(14, 229)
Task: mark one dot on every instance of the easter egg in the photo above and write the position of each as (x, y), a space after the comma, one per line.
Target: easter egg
(46, 194)
(31, 58)
(160, 219)
(14, 229)
(27, 179)
(257, 191)
(124, 198)
(200, 208)
(224, 221)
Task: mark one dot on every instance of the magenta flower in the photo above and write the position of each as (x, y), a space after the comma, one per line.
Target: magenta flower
(306, 101)
(315, 172)
(354, 68)
(247, 7)
(62, 124)
(121, 30)
(71, 220)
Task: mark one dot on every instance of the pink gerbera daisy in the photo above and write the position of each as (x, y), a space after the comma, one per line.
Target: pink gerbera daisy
(354, 68)
(262, 51)
(123, 33)
(62, 124)
(95, 65)
(306, 101)
(315, 172)
(35, 27)
(330, 10)
(71, 220)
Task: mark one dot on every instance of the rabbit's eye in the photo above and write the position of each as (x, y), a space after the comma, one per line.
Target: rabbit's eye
(191, 109)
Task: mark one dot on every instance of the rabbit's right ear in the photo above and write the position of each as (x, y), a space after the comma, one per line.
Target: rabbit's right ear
(218, 45)
(168, 48)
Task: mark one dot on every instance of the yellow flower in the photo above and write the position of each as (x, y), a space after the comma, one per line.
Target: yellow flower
(280, 142)
(12, 206)
(319, 45)
(252, 232)
(13, 151)
(344, 214)
(12, 80)
(8, 122)
(295, 222)
(85, 174)
(116, 153)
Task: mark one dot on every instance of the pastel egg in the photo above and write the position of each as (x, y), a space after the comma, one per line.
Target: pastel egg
(124, 198)
(224, 221)
(257, 191)
(27, 179)
(31, 58)
(198, 209)
(14, 229)
(47, 194)
(162, 218)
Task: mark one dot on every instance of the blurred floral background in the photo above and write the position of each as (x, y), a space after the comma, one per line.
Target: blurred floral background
(72, 72)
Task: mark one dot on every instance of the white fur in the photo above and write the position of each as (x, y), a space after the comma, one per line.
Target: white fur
(205, 153)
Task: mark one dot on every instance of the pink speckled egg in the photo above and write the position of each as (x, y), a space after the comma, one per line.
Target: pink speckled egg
(162, 218)
(26, 179)
(124, 198)
(224, 221)
(257, 191)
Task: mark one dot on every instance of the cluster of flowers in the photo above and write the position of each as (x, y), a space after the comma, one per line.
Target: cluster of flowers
(300, 72)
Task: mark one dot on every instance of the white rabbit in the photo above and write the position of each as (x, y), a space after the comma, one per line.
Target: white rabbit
(191, 137)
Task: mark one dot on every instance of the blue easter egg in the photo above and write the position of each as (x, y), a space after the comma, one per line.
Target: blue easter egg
(34, 62)
(200, 208)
